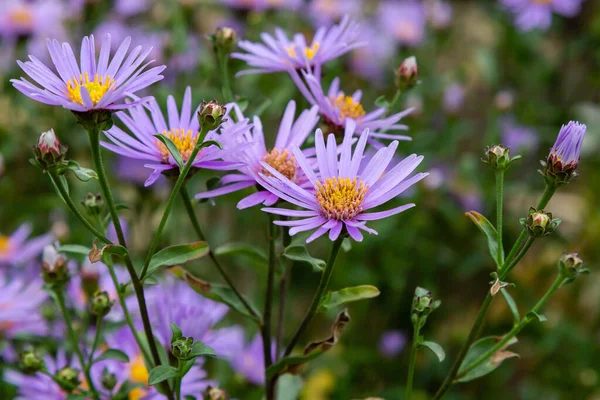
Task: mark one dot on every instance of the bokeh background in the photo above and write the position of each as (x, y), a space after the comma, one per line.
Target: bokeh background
(485, 79)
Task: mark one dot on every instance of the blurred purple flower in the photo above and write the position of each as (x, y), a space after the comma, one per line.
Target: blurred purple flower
(16, 249)
(262, 5)
(133, 171)
(291, 134)
(248, 359)
(128, 8)
(374, 61)
(326, 12)
(439, 13)
(23, 18)
(404, 20)
(454, 97)
(21, 298)
(567, 148)
(469, 200)
(391, 343)
(537, 14)
(518, 137)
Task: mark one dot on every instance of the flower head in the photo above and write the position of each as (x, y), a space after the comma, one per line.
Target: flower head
(291, 134)
(247, 359)
(404, 20)
(563, 160)
(182, 129)
(337, 109)
(16, 249)
(281, 54)
(391, 343)
(537, 14)
(49, 152)
(342, 191)
(92, 84)
(21, 299)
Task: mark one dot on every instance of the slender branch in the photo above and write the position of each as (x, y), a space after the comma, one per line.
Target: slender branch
(499, 201)
(178, 379)
(283, 285)
(325, 277)
(413, 357)
(506, 270)
(95, 342)
(60, 300)
(225, 79)
(266, 325)
(185, 196)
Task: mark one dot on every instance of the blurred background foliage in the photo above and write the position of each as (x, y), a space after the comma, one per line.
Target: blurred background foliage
(481, 80)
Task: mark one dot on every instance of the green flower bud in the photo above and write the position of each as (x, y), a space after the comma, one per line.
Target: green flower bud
(497, 156)
(539, 223)
(93, 204)
(216, 394)
(68, 379)
(109, 381)
(182, 347)
(571, 265)
(54, 267)
(224, 39)
(49, 152)
(100, 304)
(407, 74)
(423, 304)
(211, 114)
(30, 362)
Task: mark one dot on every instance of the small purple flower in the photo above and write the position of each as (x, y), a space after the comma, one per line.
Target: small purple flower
(19, 18)
(21, 299)
(454, 97)
(248, 359)
(518, 137)
(262, 5)
(375, 60)
(96, 85)
(537, 14)
(16, 249)
(129, 8)
(182, 129)
(562, 162)
(291, 134)
(337, 109)
(391, 343)
(404, 20)
(325, 12)
(341, 190)
(439, 13)
(280, 54)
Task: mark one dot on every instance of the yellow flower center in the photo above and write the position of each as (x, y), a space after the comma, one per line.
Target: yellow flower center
(349, 108)
(184, 141)
(97, 87)
(138, 370)
(4, 244)
(310, 52)
(341, 198)
(283, 162)
(21, 16)
(136, 394)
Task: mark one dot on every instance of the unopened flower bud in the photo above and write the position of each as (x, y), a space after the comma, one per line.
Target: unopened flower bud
(100, 304)
(48, 151)
(561, 164)
(211, 115)
(93, 204)
(224, 39)
(31, 363)
(407, 74)
(68, 379)
(182, 347)
(54, 267)
(423, 304)
(497, 156)
(216, 394)
(571, 265)
(539, 223)
(108, 380)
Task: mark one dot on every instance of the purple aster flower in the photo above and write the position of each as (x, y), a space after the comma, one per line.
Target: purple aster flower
(404, 20)
(248, 359)
(325, 12)
(182, 129)
(16, 249)
(291, 134)
(537, 14)
(262, 5)
(439, 13)
(341, 190)
(21, 299)
(373, 61)
(518, 137)
(128, 8)
(280, 54)
(96, 85)
(19, 18)
(562, 162)
(391, 343)
(337, 109)
(454, 97)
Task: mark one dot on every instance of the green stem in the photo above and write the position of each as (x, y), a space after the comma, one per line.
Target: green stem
(413, 357)
(394, 102)
(95, 342)
(518, 328)
(225, 79)
(499, 200)
(94, 134)
(178, 380)
(266, 325)
(187, 201)
(509, 267)
(325, 277)
(56, 182)
(60, 300)
(283, 285)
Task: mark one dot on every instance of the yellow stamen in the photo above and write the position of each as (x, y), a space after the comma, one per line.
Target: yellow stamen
(283, 162)
(136, 394)
(341, 198)
(4, 244)
(349, 108)
(311, 51)
(290, 50)
(97, 87)
(138, 370)
(184, 141)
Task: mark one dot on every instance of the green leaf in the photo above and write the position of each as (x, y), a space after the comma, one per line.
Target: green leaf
(176, 255)
(382, 102)
(176, 332)
(95, 255)
(242, 249)
(222, 294)
(199, 349)
(74, 249)
(172, 148)
(112, 354)
(208, 143)
(478, 349)
(436, 349)
(287, 363)
(299, 252)
(288, 387)
(533, 315)
(83, 174)
(347, 295)
(161, 373)
(490, 232)
(512, 305)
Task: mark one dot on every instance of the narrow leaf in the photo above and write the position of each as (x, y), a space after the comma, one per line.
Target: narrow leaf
(299, 252)
(478, 349)
(176, 255)
(347, 295)
(242, 249)
(172, 148)
(112, 354)
(83, 174)
(74, 249)
(208, 143)
(490, 232)
(176, 332)
(539, 317)
(512, 305)
(199, 349)
(161, 373)
(288, 387)
(436, 349)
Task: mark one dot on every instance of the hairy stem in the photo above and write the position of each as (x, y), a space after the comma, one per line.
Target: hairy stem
(499, 200)
(413, 357)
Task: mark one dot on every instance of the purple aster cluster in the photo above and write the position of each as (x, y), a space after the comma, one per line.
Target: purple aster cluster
(537, 14)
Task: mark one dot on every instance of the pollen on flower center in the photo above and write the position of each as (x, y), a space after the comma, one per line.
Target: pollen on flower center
(97, 87)
(184, 141)
(349, 108)
(4, 244)
(310, 52)
(341, 198)
(138, 370)
(282, 161)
